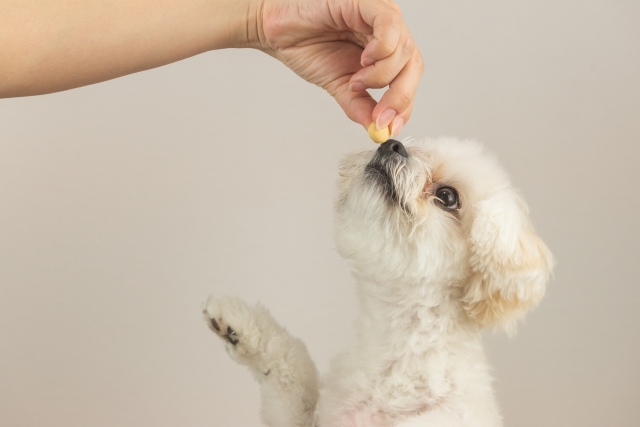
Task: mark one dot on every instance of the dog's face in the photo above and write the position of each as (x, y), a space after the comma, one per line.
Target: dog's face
(442, 213)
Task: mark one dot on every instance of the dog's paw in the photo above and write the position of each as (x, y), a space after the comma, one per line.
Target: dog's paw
(213, 313)
(234, 321)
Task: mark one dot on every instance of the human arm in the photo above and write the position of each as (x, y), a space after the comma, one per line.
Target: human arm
(48, 46)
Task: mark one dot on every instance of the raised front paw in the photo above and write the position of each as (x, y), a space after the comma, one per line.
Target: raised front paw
(217, 323)
(235, 322)
(226, 317)
(227, 333)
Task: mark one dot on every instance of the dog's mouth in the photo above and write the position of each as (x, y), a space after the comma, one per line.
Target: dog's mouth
(376, 171)
(378, 174)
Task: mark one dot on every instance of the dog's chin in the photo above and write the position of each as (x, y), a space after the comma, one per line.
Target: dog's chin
(376, 176)
(382, 175)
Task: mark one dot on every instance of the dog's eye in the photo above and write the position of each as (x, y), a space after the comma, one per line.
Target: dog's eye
(448, 197)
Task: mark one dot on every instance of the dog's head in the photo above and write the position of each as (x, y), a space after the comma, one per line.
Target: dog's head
(442, 213)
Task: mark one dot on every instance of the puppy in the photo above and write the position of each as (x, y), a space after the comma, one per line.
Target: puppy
(441, 246)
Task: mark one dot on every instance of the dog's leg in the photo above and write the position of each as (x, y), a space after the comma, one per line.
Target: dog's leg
(279, 361)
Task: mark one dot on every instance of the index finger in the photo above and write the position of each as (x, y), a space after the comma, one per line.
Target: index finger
(399, 97)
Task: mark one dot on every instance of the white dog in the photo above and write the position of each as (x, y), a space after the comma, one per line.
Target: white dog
(441, 245)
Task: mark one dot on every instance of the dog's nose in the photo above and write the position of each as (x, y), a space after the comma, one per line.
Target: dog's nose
(392, 146)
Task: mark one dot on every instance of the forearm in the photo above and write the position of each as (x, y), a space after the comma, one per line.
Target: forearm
(48, 46)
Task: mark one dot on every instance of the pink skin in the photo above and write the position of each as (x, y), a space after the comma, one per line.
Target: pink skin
(343, 46)
(359, 418)
(346, 47)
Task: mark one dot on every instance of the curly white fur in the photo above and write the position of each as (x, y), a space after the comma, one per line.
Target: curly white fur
(429, 278)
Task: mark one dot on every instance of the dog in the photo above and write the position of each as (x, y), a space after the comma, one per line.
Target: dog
(441, 246)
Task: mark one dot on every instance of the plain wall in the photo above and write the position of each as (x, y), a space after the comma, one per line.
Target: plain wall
(123, 205)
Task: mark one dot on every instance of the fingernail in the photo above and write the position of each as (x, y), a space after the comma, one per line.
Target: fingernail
(365, 62)
(384, 119)
(357, 87)
(396, 126)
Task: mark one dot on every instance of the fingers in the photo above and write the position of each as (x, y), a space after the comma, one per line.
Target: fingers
(399, 97)
(390, 58)
(384, 71)
(358, 105)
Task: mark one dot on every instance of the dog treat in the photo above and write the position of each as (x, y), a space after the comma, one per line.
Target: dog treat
(378, 136)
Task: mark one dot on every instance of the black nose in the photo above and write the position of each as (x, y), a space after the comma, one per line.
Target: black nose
(392, 146)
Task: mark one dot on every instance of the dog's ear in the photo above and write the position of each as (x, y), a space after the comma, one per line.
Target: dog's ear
(510, 264)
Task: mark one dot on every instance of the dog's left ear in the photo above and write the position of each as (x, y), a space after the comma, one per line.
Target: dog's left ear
(510, 264)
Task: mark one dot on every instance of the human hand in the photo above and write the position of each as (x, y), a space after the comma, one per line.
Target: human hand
(346, 47)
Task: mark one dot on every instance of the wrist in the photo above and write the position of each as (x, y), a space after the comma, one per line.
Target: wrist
(243, 24)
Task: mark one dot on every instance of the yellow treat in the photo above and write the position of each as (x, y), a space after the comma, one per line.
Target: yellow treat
(378, 136)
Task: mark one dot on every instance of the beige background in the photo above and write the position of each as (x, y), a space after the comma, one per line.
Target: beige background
(124, 204)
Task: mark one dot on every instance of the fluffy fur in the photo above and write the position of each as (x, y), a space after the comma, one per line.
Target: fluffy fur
(429, 278)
